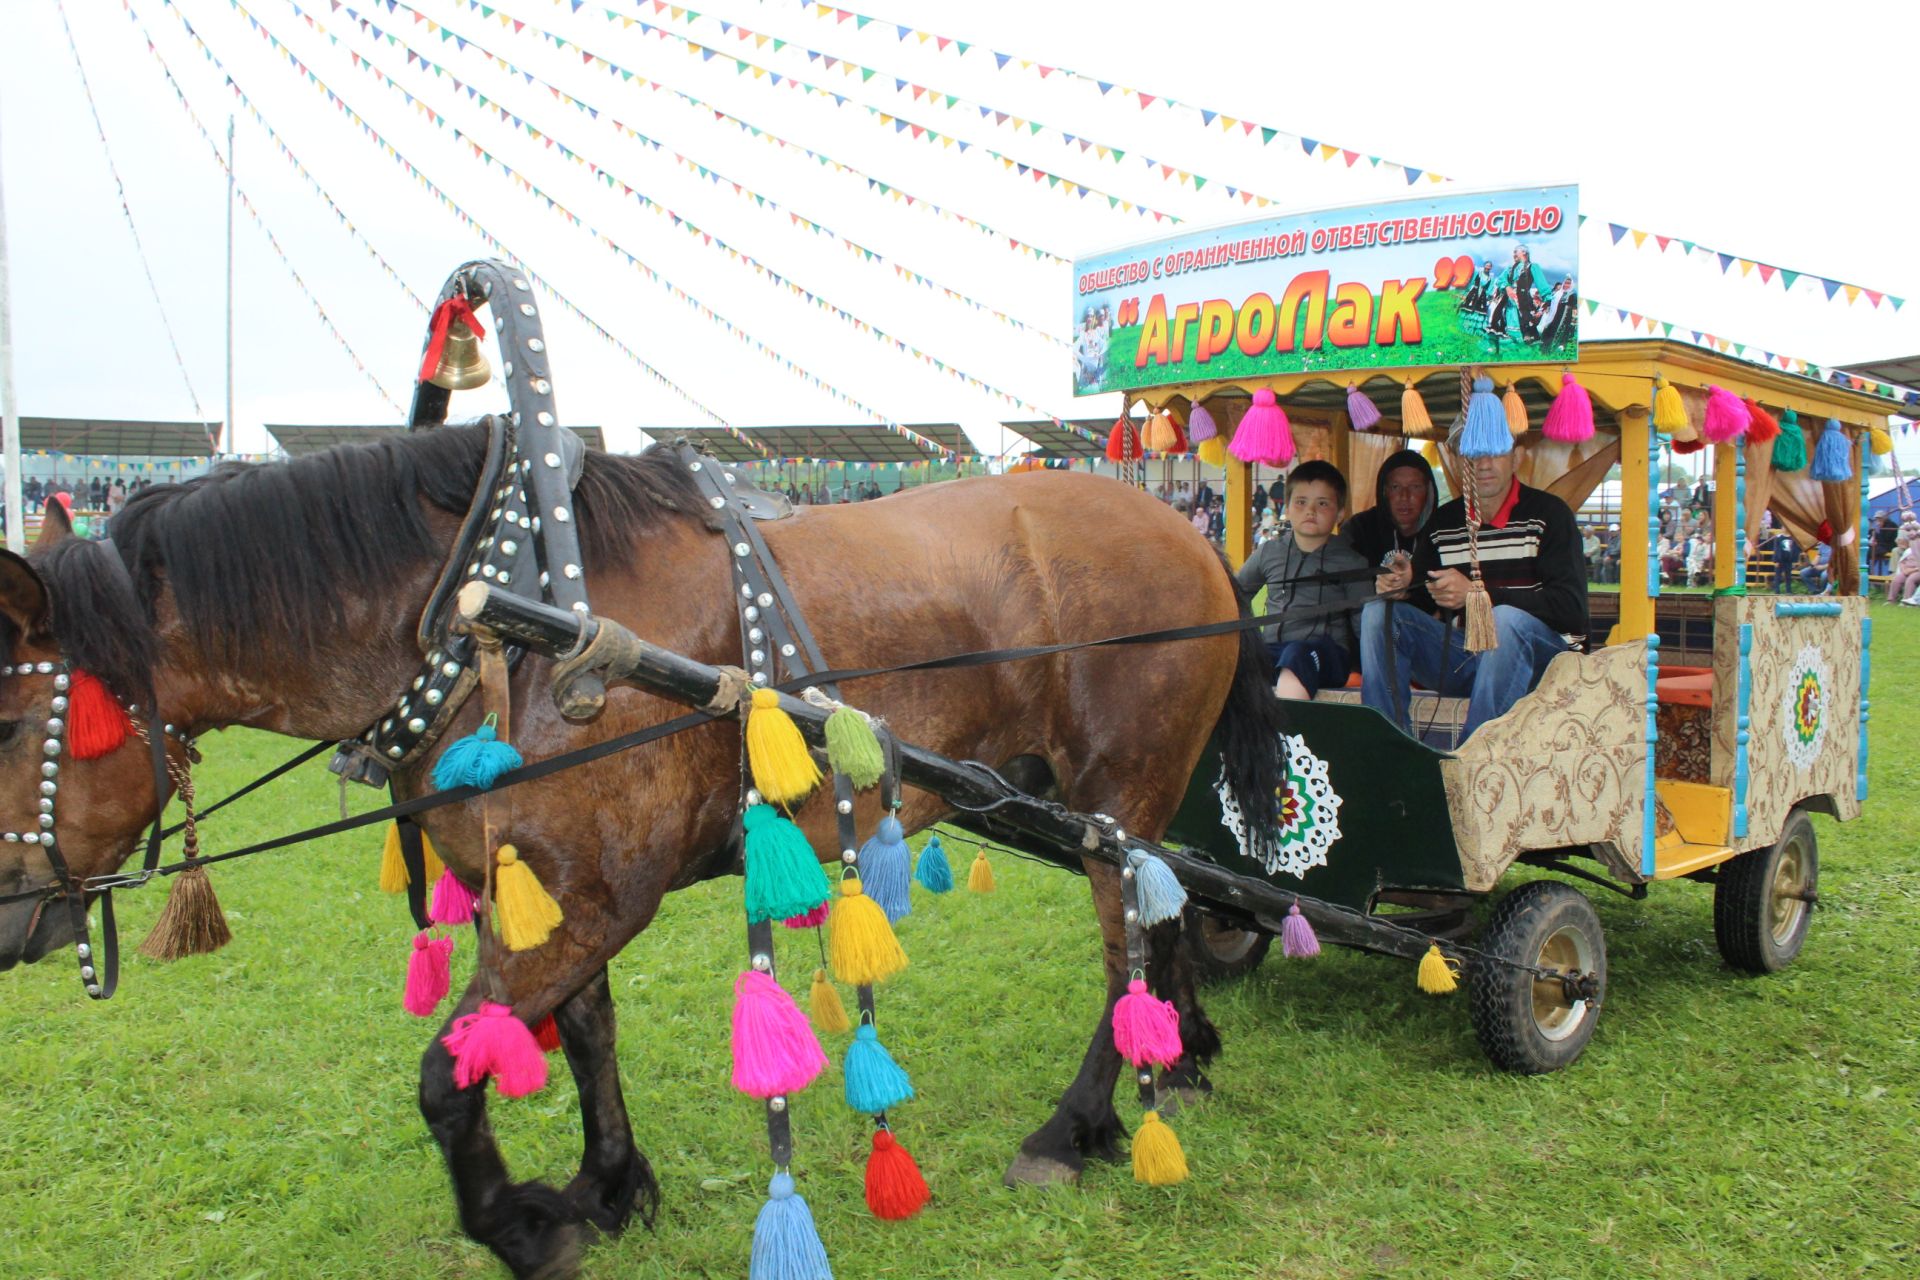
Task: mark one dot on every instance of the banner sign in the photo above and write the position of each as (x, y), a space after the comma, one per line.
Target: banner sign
(1486, 278)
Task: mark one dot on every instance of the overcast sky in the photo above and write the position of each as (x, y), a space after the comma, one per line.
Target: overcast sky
(1707, 122)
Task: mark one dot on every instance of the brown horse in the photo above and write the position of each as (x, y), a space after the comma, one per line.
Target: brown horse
(285, 597)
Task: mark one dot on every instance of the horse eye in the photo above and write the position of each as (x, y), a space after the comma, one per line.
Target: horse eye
(9, 730)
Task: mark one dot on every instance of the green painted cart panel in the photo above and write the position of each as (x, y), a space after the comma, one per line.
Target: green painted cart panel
(1395, 831)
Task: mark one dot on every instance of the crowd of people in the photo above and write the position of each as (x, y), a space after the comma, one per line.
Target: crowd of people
(822, 494)
(97, 494)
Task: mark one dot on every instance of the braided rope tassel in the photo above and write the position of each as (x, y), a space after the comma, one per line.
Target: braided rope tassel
(1482, 635)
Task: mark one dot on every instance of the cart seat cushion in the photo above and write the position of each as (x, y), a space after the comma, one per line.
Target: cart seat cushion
(1692, 688)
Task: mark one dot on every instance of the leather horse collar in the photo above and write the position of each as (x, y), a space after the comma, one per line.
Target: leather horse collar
(519, 533)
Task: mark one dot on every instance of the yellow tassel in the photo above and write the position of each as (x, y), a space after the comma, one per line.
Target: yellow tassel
(783, 772)
(1413, 411)
(1482, 635)
(393, 867)
(862, 947)
(1158, 1160)
(1437, 977)
(528, 914)
(1516, 411)
(431, 861)
(829, 1015)
(1431, 452)
(1213, 451)
(1670, 412)
(1880, 441)
(980, 875)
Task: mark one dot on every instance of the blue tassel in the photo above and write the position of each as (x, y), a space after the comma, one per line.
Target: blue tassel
(1486, 434)
(1833, 455)
(1161, 896)
(476, 760)
(886, 868)
(934, 873)
(785, 1244)
(875, 1082)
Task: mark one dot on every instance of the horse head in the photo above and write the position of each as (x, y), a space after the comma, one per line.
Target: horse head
(102, 801)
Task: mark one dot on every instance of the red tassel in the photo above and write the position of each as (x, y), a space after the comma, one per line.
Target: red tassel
(547, 1035)
(895, 1189)
(1694, 445)
(96, 724)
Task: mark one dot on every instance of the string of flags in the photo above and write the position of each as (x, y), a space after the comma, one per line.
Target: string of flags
(709, 240)
(555, 206)
(875, 185)
(273, 242)
(1229, 124)
(1752, 351)
(1766, 272)
(438, 194)
(691, 165)
(775, 79)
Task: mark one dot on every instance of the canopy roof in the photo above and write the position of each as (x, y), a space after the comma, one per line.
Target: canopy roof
(299, 439)
(117, 439)
(1060, 440)
(1904, 370)
(860, 442)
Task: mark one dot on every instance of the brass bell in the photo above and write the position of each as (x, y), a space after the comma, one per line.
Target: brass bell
(463, 365)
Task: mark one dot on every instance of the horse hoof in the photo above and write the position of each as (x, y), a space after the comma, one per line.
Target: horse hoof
(534, 1232)
(1038, 1171)
(1168, 1099)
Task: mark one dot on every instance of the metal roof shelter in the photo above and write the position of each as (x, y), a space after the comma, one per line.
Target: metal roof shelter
(1053, 440)
(299, 439)
(858, 443)
(121, 439)
(1903, 370)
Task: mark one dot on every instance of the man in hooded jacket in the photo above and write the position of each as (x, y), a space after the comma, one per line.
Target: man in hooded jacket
(1404, 496)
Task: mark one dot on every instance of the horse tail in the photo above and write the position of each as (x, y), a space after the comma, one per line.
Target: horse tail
(1248, 734)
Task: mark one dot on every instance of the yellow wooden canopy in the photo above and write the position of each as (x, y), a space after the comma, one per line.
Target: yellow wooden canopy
(1619, 376)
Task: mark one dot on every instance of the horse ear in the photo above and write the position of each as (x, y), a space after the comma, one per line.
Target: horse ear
(23, 596)
(55, 526)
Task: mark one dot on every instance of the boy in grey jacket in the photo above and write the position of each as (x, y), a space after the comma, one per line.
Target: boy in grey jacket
(1316, 652)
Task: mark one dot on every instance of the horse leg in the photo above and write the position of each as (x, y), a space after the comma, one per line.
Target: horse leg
(1170, 969)
(1085, 1122)
(532, 1227)
(614, 1177)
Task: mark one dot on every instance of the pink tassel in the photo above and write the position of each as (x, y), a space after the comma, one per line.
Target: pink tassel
(1570, 417)
(1200, 425)
(1726, 417)
(813, 919)
(1361, 411)
(427, 974)
(1145, 1028)
(494, 1043)
(1263, 434)
(452, 901)
(774, 1049)
(1296, 935)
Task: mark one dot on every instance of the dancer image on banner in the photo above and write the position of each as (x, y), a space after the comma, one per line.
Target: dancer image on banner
(1090, 345)
(1558, 319)
(1519, 290)
(1479, 292)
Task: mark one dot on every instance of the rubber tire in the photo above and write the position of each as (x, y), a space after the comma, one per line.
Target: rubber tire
(1743, 902)
(1214, 965)
(1501, 998)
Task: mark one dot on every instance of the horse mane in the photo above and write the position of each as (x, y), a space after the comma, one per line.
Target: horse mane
(259, 556)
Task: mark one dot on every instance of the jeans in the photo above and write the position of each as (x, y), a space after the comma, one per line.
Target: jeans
(1430, 651)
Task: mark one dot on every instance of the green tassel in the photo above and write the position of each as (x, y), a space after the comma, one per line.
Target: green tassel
(852, 748)
(784, 879)
(1790, 446)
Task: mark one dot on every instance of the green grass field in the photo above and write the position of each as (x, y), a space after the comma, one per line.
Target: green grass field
(251, 1114)
(1444, 340)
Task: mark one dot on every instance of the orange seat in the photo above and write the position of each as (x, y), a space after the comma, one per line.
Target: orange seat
(1692, 688)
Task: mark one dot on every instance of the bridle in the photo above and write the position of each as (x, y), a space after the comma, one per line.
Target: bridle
(99, 973)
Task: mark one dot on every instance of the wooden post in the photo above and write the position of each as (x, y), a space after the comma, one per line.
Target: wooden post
(1239, 511)
(1639, 528)
(1726, 529)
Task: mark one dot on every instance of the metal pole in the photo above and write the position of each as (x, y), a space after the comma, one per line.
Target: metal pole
(9, 411)
(230, 437)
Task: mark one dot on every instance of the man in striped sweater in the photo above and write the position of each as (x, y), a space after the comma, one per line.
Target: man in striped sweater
(1531, 564)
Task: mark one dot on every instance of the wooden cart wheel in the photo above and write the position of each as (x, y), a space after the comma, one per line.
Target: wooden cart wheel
(1763, 899)
(1221, 950)
(1527, 1023)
